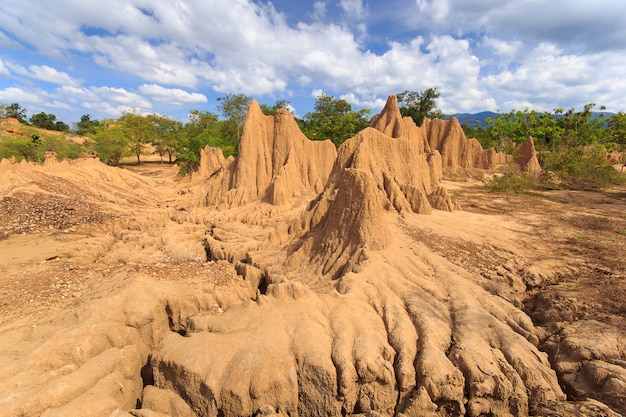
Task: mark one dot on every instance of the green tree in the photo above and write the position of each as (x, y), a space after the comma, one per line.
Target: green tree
(199, 121)
(278, 104)
(333, 119)
(16, 111)
(86, 125)
(234, 107)
(616, 128)
(140, 132)
(419, 105)
(583, 127)
(44, 121)
(507, 131)
(166, 134)
(203, 129)
(111, 141)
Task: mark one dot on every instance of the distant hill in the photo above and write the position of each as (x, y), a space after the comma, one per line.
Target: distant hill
(472, 119)
(478, 119)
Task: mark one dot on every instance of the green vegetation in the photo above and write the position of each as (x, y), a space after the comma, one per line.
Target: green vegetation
(572, 145)
(419, 105)
(32, 145)
(333, 119)
(512, 182)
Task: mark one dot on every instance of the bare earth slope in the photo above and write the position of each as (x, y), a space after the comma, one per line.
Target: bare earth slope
(359, 288)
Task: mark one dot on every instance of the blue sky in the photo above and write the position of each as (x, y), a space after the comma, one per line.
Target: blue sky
(75, 57)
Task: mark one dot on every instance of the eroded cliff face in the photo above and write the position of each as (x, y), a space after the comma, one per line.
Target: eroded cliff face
(361, 318)
(276, 162)
(456, 150)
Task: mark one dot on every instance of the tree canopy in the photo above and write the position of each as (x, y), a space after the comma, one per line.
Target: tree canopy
(234, 108)
(48, 121)
(333, 119)
(15, 111)
(419, 105)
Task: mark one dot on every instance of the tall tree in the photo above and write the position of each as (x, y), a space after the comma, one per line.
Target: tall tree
(166, 134)
(140, 131)
(234, 107)
(419, 105)
(86, 125)
(616, 126)
(16, 111)
(111, 141)
(278, 104)
(44, 121)
(333, 119)
(203, 129)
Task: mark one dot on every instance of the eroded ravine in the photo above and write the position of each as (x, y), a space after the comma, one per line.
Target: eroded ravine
(350, 288)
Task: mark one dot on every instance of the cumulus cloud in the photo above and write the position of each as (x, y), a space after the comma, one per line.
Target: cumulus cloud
(479, 54)
(354, 9)
(506, 49)
(174, 96)
(51, 75)
(122, 96)
(19, 95)
(372, 102)
(44, 73)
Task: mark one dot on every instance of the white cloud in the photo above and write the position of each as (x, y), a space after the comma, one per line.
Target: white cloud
(19, 95)
(4, 71)
(537, 51)
(114, 111)
(317, 93)
(174, 96)
(506, 49)
(354, 9)
(6, 42)
(51, 75)
(319, 11)
(122, 96)
(372, 102)
(44, 73)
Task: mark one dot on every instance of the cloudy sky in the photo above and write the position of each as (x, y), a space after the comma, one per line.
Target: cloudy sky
(75, 57)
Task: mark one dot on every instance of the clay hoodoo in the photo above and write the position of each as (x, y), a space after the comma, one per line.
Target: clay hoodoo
(384, 168)
(456, 150)
(275, 162)
(526, 157)
(212, 161)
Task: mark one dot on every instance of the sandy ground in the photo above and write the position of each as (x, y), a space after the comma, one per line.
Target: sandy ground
(65, 242)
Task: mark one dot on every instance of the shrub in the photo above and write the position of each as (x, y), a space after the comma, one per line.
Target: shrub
(586, 165)
(511, 182)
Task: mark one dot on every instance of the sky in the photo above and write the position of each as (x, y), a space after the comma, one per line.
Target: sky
(104, 58)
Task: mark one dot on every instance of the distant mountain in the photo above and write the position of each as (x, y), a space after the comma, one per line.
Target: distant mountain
(473, 119)
(478, 119)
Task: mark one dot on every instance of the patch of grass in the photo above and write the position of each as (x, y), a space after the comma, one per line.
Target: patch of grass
(511, 182)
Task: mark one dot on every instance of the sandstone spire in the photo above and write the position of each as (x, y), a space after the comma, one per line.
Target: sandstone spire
(275, 162)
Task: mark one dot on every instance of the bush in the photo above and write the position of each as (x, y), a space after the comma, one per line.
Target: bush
(583, 165)
(511, 182)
